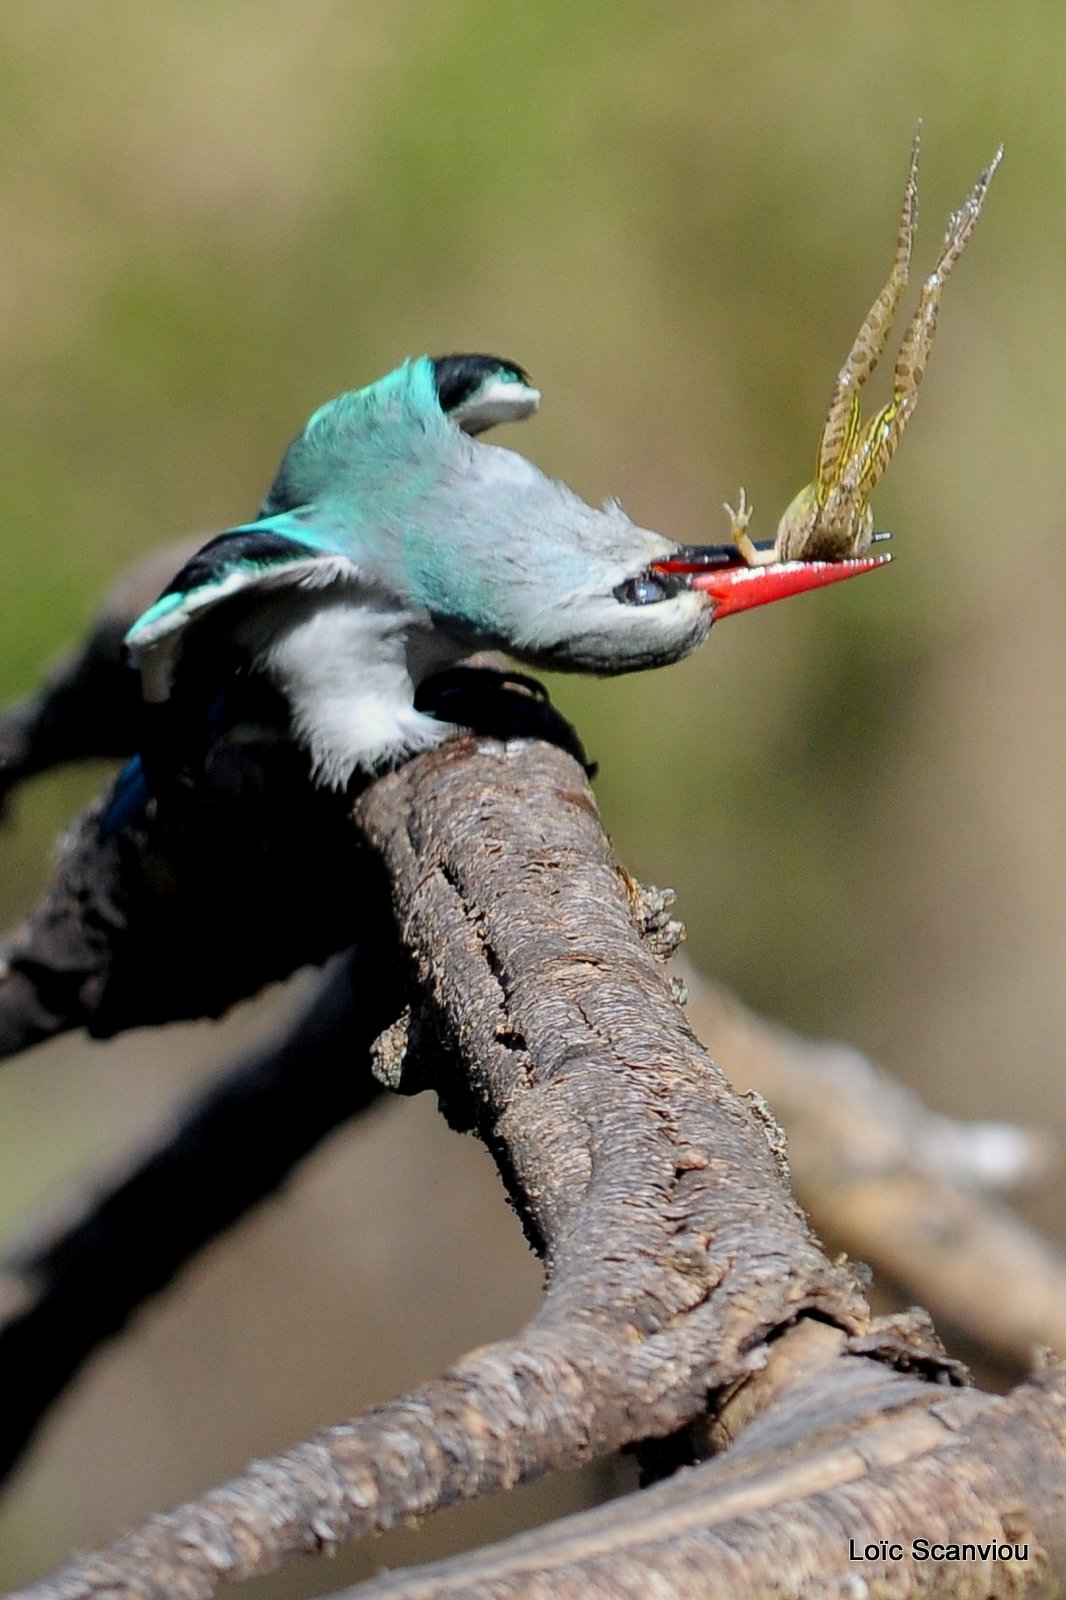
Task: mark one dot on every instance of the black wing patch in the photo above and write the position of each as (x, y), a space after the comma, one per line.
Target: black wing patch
(225, 550)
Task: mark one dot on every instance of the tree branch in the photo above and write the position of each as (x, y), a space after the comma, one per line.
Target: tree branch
(90, 703)
(237, 881)
(897, 1185)
(76, 1283)
(819, 1474)
(918, 1217)
(688, 1310)
(672, 1247)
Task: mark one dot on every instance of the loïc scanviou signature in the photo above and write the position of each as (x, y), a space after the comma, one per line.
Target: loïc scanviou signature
(973, 1551)
(831, 518)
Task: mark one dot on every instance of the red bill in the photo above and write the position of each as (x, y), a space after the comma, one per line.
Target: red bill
(735, 586)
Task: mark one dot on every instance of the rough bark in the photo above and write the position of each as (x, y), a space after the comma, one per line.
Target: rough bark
(789, 1511)
(687, 1301)
(903, 1187)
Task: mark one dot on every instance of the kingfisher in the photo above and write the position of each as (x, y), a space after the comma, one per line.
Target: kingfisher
(394, 542)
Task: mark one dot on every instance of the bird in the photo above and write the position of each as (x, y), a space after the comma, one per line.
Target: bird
(394, 542)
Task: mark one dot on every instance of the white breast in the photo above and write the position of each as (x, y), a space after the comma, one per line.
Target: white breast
(347, 662)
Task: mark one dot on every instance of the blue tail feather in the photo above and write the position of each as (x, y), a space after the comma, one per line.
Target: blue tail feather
(129, 797)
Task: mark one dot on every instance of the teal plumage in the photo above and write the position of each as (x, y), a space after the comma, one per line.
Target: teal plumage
(391, 544)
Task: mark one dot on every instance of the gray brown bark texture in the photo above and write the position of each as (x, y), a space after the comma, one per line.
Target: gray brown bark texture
(689, 1311)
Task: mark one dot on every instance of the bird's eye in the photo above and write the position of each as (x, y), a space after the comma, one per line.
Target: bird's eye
(642, 591)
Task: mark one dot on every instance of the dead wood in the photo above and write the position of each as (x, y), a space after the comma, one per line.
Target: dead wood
(904, 1188)
(90, 703)
(689, 1311)
(833, 1464)
(81, 1275)
(682, 1279)
(895, 1184)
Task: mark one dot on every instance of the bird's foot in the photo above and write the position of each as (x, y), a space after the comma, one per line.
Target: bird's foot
(501, 705)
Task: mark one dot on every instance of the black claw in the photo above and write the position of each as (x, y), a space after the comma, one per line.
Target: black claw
(501, 705)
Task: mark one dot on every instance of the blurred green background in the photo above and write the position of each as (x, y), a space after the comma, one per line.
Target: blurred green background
(215, 216)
